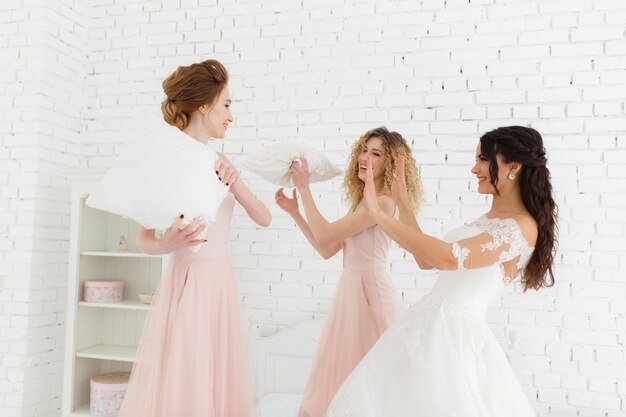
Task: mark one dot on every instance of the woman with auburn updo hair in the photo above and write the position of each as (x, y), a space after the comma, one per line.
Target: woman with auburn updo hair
(441, 358)
(366, 302)
(191, 359)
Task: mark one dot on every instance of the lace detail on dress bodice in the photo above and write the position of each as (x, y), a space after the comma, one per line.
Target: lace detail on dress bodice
(506, 231)
(504, 238)
(460, 254)
(465, 293)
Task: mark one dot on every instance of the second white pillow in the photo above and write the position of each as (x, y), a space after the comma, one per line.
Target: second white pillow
(273, 163)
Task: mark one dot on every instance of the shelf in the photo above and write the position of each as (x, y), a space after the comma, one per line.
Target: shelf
(109, 352)
(99, 334)
(124, 305)
(119, 254)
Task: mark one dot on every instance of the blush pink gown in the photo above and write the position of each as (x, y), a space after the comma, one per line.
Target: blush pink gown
(365, 304)
(191, 360)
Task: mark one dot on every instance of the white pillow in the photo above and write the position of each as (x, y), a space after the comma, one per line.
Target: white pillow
(273, 164)
(160, 174)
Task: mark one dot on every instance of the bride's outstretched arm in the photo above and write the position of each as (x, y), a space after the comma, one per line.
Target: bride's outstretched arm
(406, 211)
(493, 246)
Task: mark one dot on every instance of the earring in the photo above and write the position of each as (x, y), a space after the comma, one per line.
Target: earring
(512, 176)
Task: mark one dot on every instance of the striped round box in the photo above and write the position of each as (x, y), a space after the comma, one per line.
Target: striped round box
(107, 393)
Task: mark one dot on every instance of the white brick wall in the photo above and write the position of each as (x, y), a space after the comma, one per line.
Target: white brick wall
(42, 75)
(440, 72)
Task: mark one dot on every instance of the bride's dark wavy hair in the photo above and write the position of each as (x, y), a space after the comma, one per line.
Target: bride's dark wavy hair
(525, 146)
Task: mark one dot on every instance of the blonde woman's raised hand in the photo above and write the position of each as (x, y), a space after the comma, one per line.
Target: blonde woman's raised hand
(290, 205)
(300, 173)
(370, 199)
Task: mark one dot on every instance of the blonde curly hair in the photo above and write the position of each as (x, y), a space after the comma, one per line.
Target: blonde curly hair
(189, 87)
(393, 146)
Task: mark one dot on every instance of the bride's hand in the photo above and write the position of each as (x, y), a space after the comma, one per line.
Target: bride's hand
(176, 238)
(300, 173)
(398, 185)
(370, 199)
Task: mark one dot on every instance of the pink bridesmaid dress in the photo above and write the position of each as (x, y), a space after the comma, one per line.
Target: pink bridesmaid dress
(191, 360)
(365, 304)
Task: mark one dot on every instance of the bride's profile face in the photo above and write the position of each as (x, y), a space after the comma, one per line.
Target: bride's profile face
(483, 176)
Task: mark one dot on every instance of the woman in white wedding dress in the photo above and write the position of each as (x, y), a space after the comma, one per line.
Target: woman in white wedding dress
(441, 359)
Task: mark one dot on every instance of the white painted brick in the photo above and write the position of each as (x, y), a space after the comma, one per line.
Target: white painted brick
(559, 80)
(565, 6)
(577, 49)
(592, 18)
(291, 290)
(551, 95)
(503, 11)
(616, 16)
(602, 385)
(498, 68)
(558, 350)
(607, 109)
(565, 65)
(525, 52)
(543, 36)
(504, 83)
(609, 354)
(596, 34)
(552, 396)
(550, 319)
(535, 363)
(548, 111)
(579, 109)
(473, 54)
(611, 77)
(500, 97)
(473, 113)
(499, 112)
(564, 366)
(585, 78)
(594, 400)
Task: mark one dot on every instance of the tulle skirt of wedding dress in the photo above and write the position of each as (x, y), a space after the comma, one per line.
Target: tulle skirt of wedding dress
(436, 361)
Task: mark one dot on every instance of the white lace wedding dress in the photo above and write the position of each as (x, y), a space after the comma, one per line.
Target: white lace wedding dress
(440, 359)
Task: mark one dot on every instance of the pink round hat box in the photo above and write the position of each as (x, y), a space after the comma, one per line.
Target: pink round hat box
(107, 393)
(101, 291)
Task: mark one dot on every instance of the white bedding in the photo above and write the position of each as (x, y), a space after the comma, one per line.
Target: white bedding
(280, 405)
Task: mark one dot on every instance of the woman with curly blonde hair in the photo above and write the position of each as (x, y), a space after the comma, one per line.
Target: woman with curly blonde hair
(366, 302)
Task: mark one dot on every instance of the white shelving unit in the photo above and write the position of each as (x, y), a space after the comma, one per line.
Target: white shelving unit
(102, 337)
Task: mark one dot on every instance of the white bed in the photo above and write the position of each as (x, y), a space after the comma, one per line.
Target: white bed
(283, 362)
